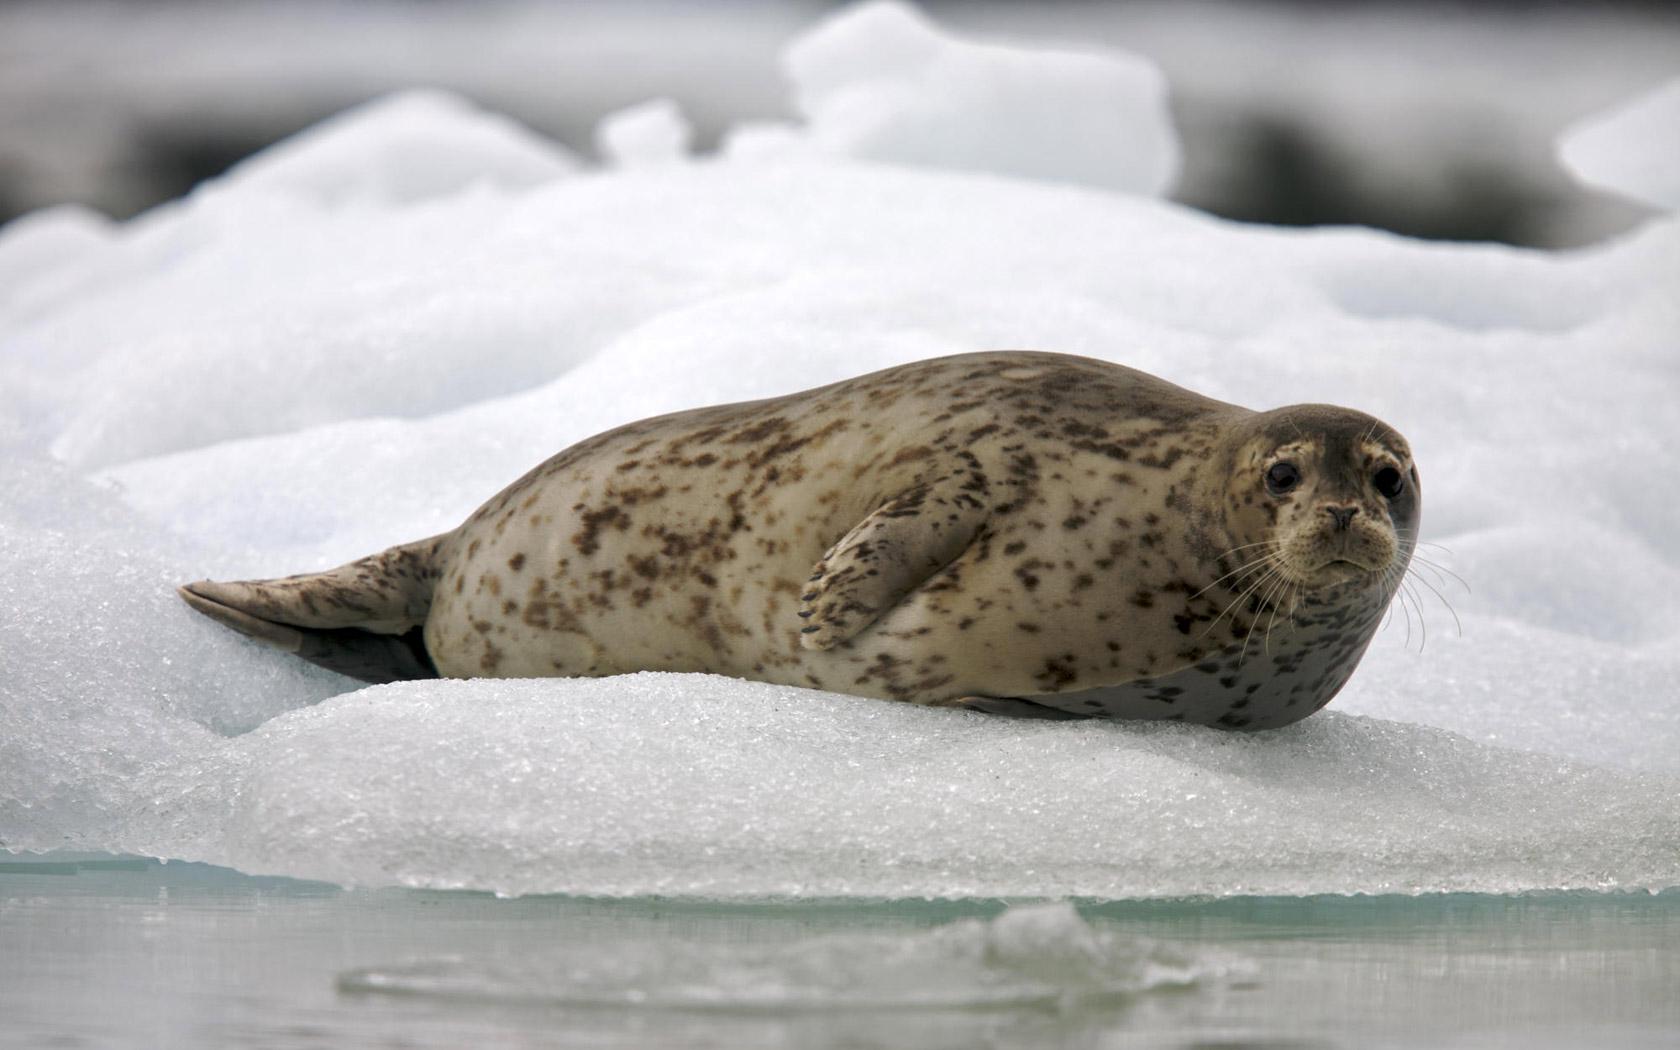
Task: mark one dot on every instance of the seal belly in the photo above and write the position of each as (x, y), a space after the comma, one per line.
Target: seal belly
(1283, 672)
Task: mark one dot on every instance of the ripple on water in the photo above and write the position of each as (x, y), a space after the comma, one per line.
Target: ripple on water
(1032, 956)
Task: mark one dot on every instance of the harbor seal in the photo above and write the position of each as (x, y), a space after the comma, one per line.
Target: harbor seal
(1022, 533)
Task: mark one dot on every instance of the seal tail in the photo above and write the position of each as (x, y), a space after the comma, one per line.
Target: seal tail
(362, 620)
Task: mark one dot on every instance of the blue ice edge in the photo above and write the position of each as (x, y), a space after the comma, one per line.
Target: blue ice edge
(189, 875)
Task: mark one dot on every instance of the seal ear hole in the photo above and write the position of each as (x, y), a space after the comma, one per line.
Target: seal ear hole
(1389, 482)
(1282, 477)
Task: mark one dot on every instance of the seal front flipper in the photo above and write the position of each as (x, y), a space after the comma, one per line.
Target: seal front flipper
(1015, 707)
(885, 556)
(363, 619)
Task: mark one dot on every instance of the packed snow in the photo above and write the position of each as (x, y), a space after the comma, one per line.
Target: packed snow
(359, 335)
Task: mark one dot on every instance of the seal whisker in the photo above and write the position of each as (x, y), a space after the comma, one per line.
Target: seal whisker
(1443, 574)
(1291, 592)
(1412, 534)
(1274, 567)
(1400, 599)
(1256, 621)
(1262, 566)
(1457, 623)
(1245, 547)
(1405, 609)
(1257, 561)
(1282, 581)
(1423, 623)
(1416, 562)
(1250, 589)
(1438, 567)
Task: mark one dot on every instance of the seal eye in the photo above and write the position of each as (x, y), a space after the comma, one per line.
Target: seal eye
(1389, 482)
(1281, 478)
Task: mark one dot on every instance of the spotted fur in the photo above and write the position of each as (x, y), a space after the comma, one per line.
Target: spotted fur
(1021, 532)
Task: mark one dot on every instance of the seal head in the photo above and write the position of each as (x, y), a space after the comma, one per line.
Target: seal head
(1322, 497)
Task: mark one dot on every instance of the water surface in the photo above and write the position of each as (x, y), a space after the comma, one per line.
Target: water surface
(121, 952)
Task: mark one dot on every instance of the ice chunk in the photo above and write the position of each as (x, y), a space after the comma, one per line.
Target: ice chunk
(648, 134)
(704, 786)
(879, 82)
(112, 701)
(401, 149)
(1632, 149)
(1031, 955)
(281, 386)
(766, 142)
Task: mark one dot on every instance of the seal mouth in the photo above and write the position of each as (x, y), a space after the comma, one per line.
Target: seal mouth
(1341, 570)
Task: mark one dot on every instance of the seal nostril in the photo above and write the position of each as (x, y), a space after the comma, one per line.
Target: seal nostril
(1342, 516)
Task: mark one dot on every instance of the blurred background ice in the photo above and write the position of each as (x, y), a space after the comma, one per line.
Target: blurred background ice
(1430, 118)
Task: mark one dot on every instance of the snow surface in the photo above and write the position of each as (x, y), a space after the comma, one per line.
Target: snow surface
(1633, 150)
(303, 363)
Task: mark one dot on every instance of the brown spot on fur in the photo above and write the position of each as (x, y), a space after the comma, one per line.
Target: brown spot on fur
(909, 455)
(586, 539)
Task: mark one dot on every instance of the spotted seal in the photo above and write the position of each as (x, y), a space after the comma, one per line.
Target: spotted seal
(1023, 533)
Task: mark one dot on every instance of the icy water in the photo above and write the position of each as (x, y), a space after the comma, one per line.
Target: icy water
(117, 952)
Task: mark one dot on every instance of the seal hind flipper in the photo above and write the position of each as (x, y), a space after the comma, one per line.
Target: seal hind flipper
(363, 619)
(886, 556)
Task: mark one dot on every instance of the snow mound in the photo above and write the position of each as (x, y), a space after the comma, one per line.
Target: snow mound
(407, 339)
(402, 149)
(44, 242)
(44, 257)
(1632, 149)
(878, 81)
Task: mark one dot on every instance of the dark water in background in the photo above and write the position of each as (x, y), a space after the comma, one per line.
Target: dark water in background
(132, 953)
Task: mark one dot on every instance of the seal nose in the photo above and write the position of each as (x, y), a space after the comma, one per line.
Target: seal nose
(1342, 516)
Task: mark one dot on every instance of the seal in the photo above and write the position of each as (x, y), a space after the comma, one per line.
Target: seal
(1021, 533)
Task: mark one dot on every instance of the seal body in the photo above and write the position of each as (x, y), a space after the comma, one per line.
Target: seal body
(1016, 532)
